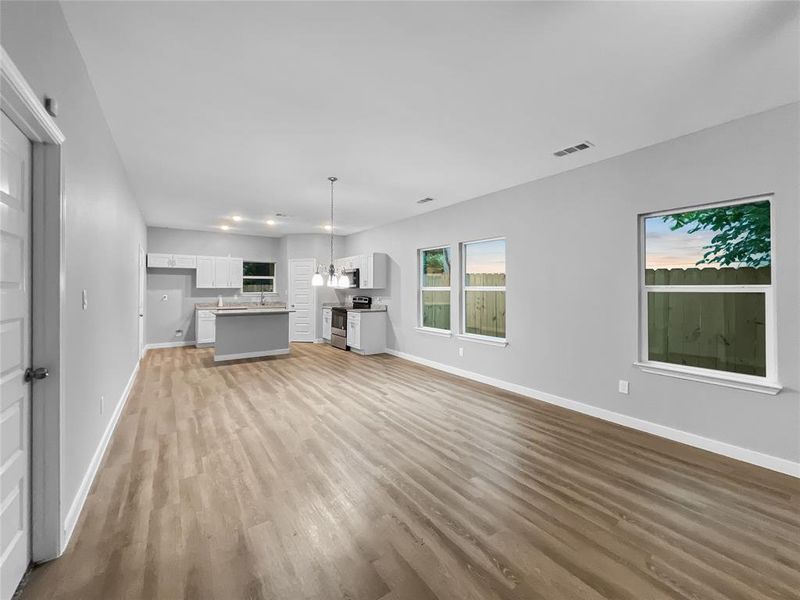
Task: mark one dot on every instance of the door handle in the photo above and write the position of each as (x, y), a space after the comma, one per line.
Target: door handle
(33, 374)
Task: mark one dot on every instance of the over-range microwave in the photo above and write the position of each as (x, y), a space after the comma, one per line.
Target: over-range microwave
(352, 275)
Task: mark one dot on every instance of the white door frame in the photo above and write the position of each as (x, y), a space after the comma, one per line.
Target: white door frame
(142, 299)
(290, 291)
(20, 103)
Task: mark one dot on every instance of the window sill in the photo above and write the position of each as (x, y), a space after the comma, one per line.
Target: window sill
(431, 331)
(749, 383)
(257, 294)
(501, 342)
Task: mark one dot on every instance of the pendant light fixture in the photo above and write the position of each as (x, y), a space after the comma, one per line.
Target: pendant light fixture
(333, 279)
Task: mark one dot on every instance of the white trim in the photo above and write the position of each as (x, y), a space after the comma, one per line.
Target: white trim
(435, 288)
(752, 457)
(88, 478)
(20, 103)
(255, 354)
(462, 301)
(159, 345)
(767, 384)
(483, 339)
(749, 383)
(434, 331)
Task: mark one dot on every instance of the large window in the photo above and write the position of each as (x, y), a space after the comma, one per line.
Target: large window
(707, 290)
(484, 291)
(434, 288)
(258, 277)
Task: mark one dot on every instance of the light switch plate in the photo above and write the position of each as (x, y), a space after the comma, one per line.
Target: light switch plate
(623, 386)
(84, 300)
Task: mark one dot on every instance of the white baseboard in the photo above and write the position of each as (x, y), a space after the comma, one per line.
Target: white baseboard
(167, 345)
(753, 457)
(86, 484)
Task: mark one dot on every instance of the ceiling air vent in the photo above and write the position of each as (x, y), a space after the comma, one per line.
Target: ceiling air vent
(585, 145)
(424, 200)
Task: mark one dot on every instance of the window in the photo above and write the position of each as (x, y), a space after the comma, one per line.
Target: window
(484, 294)
(258, 277)
(706, 293)
(434, 288)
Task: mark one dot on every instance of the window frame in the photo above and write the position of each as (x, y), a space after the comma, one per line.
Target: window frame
(464, 288)
(769, 382)
(422, 288)
(245, 278)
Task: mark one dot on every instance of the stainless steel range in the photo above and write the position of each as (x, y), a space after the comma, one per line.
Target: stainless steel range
(339, 321)
(339, 327)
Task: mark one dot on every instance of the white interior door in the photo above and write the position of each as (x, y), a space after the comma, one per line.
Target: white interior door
(302, 322)
(142, 284)
(15, 353)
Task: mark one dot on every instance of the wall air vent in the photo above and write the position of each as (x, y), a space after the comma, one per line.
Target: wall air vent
(585, 145)
(424, 200)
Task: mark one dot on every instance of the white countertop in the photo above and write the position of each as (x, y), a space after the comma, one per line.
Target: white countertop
(376, 308)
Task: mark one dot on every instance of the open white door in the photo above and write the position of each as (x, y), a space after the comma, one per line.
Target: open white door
(302, 299)
(142, 283)
(15, 355)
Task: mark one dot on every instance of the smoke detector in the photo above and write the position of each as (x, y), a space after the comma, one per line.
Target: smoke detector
(584, 145)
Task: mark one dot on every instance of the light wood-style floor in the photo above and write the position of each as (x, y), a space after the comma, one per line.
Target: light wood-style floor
(329, 475)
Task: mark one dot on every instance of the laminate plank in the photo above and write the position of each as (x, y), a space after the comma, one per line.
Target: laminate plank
(326, 475)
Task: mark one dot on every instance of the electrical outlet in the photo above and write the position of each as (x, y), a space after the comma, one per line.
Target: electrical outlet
(179, 333)
(623, 386)
(102, 404)
(461, 351)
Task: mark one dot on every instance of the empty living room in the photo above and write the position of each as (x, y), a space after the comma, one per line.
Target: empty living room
(399, 300)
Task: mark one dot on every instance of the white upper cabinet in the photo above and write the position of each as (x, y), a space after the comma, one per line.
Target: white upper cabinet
(373, 271)
(235, 267)
(205, 272)
(171, 261)
(219, 272)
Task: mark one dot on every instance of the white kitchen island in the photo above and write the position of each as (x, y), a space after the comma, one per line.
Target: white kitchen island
(251, 333)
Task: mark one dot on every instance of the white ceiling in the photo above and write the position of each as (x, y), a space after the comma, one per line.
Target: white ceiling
(223, 108)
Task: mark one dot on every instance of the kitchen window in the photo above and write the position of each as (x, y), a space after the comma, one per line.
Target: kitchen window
(258, 277)
(483, 302)
(706, 294)
(434, 289)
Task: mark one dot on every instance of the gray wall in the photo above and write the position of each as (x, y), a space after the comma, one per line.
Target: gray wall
(164, 317)
(103, 231)
(572, 278)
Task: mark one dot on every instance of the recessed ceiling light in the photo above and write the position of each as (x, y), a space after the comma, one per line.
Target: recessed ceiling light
(224, 227)
(236, 218)
(424, 200)
(270, 221)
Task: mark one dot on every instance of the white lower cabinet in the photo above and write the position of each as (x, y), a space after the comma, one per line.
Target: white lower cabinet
(354, 330)
(326, 323)
(205, 327)
(366, 332)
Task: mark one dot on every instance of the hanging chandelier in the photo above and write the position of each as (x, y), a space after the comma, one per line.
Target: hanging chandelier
(334, 279)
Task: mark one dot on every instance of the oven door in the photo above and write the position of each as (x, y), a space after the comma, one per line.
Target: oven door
(339, 328)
